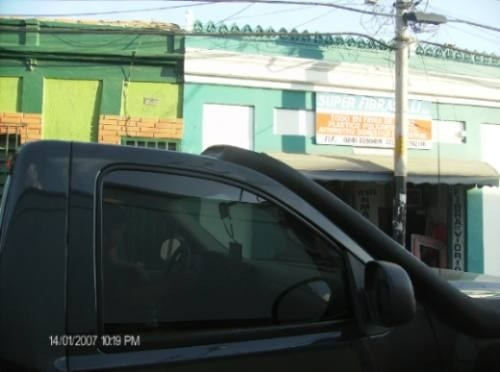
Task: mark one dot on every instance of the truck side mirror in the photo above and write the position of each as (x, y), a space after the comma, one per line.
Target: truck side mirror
(306, 301)
(389, 292)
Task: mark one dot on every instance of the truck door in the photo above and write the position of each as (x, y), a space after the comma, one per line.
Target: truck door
(201, 273)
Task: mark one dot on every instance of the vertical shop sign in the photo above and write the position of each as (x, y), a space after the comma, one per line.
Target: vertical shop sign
(457, 228)
(367, 202)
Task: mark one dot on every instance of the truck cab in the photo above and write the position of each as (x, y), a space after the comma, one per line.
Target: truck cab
(114, 257)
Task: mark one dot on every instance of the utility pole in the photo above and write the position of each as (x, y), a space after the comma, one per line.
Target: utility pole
(401, 123)
(403, 15)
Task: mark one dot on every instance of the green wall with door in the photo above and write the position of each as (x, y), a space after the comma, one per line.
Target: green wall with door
(74, 72)
(264, 101)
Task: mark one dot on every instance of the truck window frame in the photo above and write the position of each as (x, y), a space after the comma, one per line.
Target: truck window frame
(191, 338)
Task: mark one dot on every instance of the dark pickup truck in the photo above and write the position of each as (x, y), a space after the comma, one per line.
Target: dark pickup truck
(125, 258)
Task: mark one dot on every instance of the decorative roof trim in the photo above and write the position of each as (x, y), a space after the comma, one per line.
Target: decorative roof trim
(293, 35)
(451, 53)
(447, 53)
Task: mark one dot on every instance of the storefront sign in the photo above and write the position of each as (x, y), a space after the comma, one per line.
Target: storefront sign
(457, 228)
(354, 120)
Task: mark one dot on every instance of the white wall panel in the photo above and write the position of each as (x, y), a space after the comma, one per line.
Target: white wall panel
(228, 125)
(293, 122)
(490, 137)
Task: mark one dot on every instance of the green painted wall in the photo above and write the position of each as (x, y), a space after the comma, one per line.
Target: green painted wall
(32, 35)
(71, 109)
(111, 75)
(263, 100)
(10, 94)
(35, 50)
(151, 100)
(475, 250)
(473, 116)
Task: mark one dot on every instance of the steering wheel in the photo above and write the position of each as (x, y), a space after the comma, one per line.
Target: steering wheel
(179, 261)
(169, 305)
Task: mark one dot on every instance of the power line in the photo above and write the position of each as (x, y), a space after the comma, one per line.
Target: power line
(475, 24)
(274, 12)
(465, 20)
(206, 2)
(287, 2)
(109, 12)
(176, 32)
(374, 21)
(314, 18)
(494, 40)
(246, 7)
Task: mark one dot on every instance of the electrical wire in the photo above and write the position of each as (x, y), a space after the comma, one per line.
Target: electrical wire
(178, 32)
(68, 30)
(486, 34)
(488, 38)
(246, 7)
(452, 47)
(61, 29)
(281, 11)
(475, 24)
(109, 12)
(257, 35)
(314, 18)
(375, 23)
(464, 20)
(287, 2)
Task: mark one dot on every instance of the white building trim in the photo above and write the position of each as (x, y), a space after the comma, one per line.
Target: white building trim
(293, 73)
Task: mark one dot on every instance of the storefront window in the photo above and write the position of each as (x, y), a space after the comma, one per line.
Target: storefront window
(428, 218)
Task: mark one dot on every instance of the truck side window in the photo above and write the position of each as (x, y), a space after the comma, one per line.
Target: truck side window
(180, 252)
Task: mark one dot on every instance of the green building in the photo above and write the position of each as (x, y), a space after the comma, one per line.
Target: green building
(100, 82)
(324, 105)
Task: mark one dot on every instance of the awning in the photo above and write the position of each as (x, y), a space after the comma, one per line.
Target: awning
(377, 168)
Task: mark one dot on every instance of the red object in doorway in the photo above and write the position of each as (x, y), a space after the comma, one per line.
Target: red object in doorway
(440, 232)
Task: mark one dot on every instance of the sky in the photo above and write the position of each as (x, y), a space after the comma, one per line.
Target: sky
(302, 17)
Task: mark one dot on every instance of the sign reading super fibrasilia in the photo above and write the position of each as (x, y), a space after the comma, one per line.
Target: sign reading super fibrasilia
(356, 120)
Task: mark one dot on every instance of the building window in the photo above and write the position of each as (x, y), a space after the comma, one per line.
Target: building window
(170, 145)
(447, 131)
(9, 144)
(293, 122)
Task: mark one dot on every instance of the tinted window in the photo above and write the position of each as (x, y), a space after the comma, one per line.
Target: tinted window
(184, 252)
